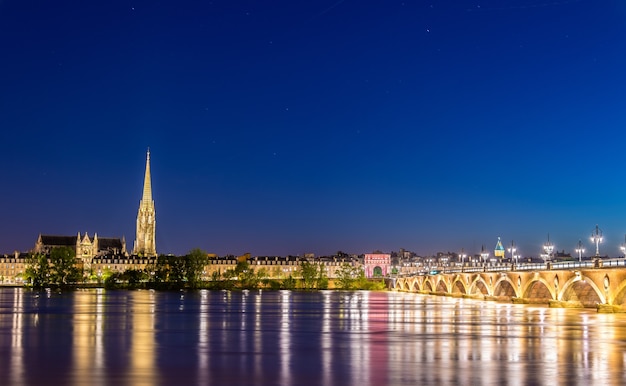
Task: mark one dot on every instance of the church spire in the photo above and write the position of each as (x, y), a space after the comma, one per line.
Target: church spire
(147, 181)
(145, 243)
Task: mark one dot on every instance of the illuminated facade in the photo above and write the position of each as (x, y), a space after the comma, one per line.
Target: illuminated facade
(145, 242)
(499, 250)
(85, 247)
(377, 264)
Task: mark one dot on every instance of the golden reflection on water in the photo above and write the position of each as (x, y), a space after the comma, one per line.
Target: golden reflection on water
(354, 338)
(142, 343)
(285, 338)
(203, 337)
(17, 349)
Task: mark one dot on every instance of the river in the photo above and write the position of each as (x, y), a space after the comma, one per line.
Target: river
(102, 337)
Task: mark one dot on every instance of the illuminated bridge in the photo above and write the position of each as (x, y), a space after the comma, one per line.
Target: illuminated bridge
(597, 284)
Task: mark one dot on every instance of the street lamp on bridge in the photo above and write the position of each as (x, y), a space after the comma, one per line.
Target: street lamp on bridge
(462, 256)
(580, 251)
(484, 255)
(596, 237)
(512, 251)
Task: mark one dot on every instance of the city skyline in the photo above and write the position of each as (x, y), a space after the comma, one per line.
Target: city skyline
(284, 129)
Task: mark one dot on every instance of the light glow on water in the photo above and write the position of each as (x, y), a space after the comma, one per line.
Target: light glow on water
(300, 338)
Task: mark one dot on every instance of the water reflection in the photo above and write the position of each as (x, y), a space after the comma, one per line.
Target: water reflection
(102, 337)
(17, 349)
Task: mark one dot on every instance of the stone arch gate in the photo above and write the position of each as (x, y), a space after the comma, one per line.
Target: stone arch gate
(604, 288)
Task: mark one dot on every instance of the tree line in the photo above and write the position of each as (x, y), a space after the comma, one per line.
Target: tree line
(178, 272)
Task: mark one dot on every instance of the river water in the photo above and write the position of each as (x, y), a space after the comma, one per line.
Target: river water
(100, 337)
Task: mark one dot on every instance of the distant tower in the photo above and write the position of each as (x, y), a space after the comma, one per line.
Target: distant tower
(499, 250)
(145, 244)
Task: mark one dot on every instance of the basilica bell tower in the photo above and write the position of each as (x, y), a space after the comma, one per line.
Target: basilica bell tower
(145, 244)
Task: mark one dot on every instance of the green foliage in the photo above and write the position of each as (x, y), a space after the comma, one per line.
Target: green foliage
(59, 269)
(134, 276)
(273, 284)
(161, 269)
(322, 278)
(313, 276)
(374, 285)
(246, 276)
(309, 273)
(111, 281)
(353, 278)
(194, 264)
(64, 270)
(178, 269)
(346, 276)
(289, 283)
(37, 272)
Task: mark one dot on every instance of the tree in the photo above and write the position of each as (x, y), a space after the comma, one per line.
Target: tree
(248, 279)
(161, 269)
(134, 276)
(195, 261)
(309, 273)
(322, 278)
(64, 269)
(177, 269)
(289, 283)
(37, 271)
(346, 276)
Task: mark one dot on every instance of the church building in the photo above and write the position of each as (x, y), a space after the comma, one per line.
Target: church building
(85, 247)
(145, 242)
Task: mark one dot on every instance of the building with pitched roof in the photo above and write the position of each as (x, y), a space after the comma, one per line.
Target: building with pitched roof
(85, 247)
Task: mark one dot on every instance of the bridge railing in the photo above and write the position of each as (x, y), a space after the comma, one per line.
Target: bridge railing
(531, 267)
(506, 267)
(571, 264)
(620, 262)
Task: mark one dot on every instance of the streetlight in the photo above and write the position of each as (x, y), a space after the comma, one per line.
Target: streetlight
(484, 255)
(623, 247)
(596, 237)
(462, 256)
(512, 250)
(580, 251)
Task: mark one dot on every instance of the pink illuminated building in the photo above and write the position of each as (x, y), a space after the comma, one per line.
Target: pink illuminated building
(377, 264)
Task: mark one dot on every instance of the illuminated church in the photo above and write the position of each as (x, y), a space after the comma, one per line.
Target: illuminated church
(145, 241)
(89, 248)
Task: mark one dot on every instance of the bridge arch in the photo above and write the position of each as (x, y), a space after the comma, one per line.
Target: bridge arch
(404, 285)
(442, 286)
(458, 285)
(538, 289)
(479, 286)
(504, 287)
(415, 286)
(582, 289)
(428, 286)
(619, 298)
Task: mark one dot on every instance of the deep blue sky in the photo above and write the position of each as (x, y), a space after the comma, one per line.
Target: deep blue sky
(287, 127)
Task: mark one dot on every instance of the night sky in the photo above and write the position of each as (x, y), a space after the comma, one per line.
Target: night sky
(291, 127)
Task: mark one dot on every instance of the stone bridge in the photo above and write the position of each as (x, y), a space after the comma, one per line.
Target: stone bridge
(601, 288)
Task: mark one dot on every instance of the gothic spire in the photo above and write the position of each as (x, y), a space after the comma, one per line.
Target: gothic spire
(147, 183)
(146, 218)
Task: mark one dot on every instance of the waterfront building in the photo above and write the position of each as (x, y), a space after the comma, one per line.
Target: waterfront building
(12, 267)
(145, 241)
(278, 267)
(377, 264)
